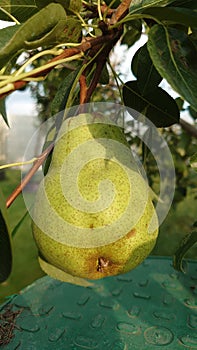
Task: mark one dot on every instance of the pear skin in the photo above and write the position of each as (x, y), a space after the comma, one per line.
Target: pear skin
(93, 214)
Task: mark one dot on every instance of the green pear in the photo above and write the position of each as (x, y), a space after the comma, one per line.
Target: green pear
(93, 213)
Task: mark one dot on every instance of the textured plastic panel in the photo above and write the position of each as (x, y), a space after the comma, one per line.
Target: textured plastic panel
(151, 307)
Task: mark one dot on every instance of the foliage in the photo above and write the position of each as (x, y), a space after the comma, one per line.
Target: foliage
(65, 47)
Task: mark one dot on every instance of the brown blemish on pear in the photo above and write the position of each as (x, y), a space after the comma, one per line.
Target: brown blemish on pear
(103, 263)
(131, 233)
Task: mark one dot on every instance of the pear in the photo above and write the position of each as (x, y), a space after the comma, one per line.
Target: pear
(93, 213)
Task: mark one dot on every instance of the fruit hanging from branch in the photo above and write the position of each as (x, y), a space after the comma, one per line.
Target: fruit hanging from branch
(93, 215)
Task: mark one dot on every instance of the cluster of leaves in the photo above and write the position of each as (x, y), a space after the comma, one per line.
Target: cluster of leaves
(76, 38)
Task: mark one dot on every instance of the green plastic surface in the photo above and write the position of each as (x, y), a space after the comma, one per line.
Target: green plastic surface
(150, 307)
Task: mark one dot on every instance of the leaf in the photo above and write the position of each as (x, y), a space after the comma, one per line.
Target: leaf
(192, 112)
(187, 242)
(104, 77)
(36, 31)
(6, 35)
(186, 3)
(178, 15)
(66, 30)
(50, 138)
(180, 103)
(69, 5)
(3, 111)
(61, 275)
(5, 244)
(132, 33)
(193, 161)
(57, 107)
(174, 56)
(20, 9)
(147, 76)
(139, 5)
(113, 3)
(157, 106)
(18, 225)
(75, 5)
(59, 101)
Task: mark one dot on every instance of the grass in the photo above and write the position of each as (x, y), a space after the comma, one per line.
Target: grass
(25, 265)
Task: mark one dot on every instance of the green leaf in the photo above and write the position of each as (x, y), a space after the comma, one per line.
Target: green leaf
(66, 30)
(193, 161)
(174, 56)
(104, 77)
(186, 3)
(180, 103)
(48, 26)
(5, 244)
(69, 5)
(18, 225)
(132, 32)
(187, 242)
(157, 106)
(59, 101)
(50, 138)
(6, 35)
(75, 5)
(61, 275)
(147, 76)
(192, 112)
(112, 3)
(3, 111)
(171, 15)
(139, 5)
(20, 9)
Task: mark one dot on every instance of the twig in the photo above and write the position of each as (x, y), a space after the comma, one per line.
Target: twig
(83, 88)
(121, 11)
(95, 80)
(29, 175)
(105, 10)
(101, 61)
(190, 129)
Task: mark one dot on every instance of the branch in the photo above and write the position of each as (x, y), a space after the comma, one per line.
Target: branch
(86, 45)
(83, 88)
(29, 175)
(121, 11)
(105, 10)
(95, 80)
(101, 61)
(190, 129)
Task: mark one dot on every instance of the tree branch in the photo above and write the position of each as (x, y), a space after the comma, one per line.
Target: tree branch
(101, 61)
(83, 88)
(121, 11)
(190, 129)
(86, 45)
